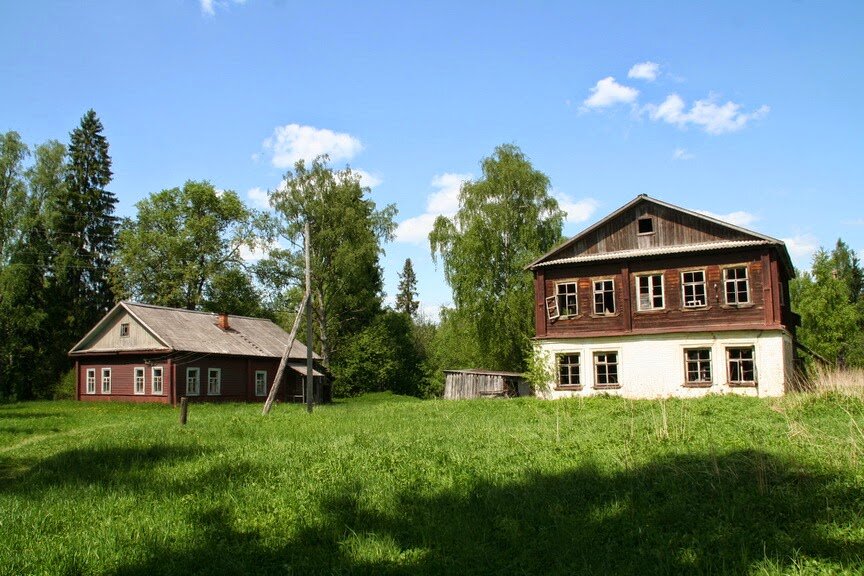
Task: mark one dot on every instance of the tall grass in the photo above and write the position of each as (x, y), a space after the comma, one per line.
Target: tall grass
(390, 485)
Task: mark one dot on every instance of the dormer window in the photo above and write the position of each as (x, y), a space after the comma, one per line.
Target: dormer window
(646, 225)
(124, 329)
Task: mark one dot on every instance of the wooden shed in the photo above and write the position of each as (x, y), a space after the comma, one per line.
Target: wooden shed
(460, 384)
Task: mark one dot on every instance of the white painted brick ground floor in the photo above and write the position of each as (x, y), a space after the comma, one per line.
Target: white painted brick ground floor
(747, 362)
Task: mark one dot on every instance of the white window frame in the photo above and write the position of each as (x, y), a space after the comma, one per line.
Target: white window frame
(260, 390)
(602, 292)
(106, 380)
(573, 370)
(90, 381)
(702, 377)
(196, 391)
(739, 361)
(154, 380)
(606, 364)
(651, 289)
(735, 281)
(692, 302)
(138, 378)
(565, 311)
(214, 385)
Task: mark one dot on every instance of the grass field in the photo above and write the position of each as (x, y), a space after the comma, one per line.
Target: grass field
(391, 485)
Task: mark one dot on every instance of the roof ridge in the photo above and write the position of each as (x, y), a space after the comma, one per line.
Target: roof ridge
(186, 310)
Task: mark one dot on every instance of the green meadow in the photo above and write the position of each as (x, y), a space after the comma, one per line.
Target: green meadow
(384, 484)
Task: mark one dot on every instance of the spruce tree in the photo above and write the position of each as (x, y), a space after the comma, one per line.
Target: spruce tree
(406, 299)
(85, 229)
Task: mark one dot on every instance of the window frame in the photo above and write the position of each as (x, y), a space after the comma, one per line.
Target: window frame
(694, 284)
(124, 329)
(651, 296)
(603, 292)
(264, 391)
(700, 381)
(90, 381)
(106, 379)
(727, 281)
(606, 364)
(154, 379)
(570, 385)
(740, 382)
(135, 380)
(217, 389)
(197, 372)
(650, 220)
(564, 311)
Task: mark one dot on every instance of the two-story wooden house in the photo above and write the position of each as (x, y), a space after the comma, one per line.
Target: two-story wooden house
(655, 300)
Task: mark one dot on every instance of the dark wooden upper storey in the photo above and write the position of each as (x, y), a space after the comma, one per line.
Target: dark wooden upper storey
(651, 267)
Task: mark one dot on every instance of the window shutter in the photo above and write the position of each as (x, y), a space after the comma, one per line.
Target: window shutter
(552, 308)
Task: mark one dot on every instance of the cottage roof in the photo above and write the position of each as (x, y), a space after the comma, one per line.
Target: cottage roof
(697, 232)
(178, 330)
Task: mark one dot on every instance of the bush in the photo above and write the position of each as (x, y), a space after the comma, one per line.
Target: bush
(66, 389)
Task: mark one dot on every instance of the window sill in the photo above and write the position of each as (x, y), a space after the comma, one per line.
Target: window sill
(611, 315)
(653, 311)
(746, 305)
(741, 384)
(570, 388)
(698, 384)
(607, 386)
(695, 308)
(569, 317)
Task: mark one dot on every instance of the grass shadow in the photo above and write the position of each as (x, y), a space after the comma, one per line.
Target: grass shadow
(678, 514)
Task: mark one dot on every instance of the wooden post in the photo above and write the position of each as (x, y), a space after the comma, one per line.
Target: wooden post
(184, 410)
(274, 389)
(310, 391)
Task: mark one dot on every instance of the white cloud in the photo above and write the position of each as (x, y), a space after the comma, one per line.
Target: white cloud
(442, 202)
(644, 71)
(738, 218)
(682, 154)
(259, 197)
(706, 114)
(294, 142)
(259, 251)
(577, 211)
(607, 92)
(208, 7)
(801, 248)
(367, 179)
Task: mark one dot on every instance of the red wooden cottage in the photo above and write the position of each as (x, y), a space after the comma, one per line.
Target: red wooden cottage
(144, 353)
(656, 300)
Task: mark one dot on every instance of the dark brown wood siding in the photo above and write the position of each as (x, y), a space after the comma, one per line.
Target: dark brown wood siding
(765, 278)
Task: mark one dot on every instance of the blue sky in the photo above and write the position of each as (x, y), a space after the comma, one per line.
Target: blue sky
(748, 110)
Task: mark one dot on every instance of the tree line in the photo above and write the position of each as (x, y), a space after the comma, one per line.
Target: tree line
(66, 259)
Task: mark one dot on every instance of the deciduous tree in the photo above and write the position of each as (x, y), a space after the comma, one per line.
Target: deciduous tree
(506, 219)
(183, 247)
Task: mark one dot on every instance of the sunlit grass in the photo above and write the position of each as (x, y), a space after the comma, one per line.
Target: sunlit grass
(387, 484)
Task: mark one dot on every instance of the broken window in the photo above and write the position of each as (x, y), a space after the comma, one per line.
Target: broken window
(606, 369)
(568, 370)
(698, 363)
(650, 290)
(552, 308)
(604, 297)
(694, 289)
(737, 285)
(567, 301)
(742, 365)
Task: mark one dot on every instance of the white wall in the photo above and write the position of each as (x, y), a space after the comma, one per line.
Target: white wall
(652, 366)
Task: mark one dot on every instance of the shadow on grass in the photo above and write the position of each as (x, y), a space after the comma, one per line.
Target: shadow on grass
(679, 514)
(117, 467)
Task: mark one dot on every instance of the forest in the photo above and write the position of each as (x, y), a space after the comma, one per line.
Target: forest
(66, 259)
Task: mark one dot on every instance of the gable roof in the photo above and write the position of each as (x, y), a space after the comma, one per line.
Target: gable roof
(712, 234)
(180, 330)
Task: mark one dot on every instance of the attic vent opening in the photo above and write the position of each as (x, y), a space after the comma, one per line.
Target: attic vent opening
(646, 225)
(124, 329)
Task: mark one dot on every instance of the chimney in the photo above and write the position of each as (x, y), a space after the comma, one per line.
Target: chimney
(223, 321)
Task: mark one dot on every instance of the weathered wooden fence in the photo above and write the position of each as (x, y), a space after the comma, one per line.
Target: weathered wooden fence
(459, 384)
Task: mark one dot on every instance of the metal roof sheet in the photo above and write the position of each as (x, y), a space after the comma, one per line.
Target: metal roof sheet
(191, 331)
